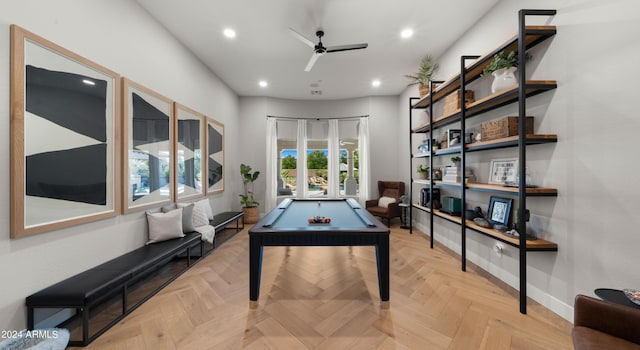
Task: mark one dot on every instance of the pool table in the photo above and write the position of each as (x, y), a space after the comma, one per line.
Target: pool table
(288, 225)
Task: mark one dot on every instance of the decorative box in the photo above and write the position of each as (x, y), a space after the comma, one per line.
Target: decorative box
(451, 205)
(503, 127)
(452, 102)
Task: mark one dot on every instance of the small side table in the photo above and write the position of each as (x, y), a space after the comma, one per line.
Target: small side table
(403, 215)
(615, 296)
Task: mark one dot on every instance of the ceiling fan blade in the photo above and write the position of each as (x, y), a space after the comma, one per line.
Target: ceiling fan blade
(346, 47)
(312, 61)
(302, 38)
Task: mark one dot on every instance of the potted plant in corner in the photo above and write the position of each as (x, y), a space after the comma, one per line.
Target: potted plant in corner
(249, 204)
(503, 67)
(423, 75)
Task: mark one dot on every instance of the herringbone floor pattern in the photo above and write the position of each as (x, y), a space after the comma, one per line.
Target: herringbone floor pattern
(327, 298)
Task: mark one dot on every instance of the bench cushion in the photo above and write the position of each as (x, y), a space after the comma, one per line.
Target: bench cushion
(78, 290)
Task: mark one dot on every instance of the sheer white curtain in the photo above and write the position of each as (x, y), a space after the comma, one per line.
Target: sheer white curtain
(334, 160)
(272, 165)
(301, 165)
(363, 146)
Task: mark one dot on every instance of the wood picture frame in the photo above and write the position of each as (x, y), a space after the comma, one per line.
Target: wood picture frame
(215, 156)
(499, 212)
(65, 137)
(503, 171)
(189, 150)
(148, 157)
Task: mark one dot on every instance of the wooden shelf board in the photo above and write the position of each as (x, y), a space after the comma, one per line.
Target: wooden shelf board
(531, 191)
(532, 245)
(493, 101)
(511, 141)
(535, 35)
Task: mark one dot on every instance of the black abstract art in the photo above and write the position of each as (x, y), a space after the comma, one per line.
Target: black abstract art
(215, 157)
(77, 173)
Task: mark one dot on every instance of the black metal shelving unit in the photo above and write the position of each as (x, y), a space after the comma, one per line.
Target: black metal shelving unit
(526, 38)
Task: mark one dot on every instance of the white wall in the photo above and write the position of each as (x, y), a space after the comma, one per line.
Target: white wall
(383, 122)
(121, 36)
(593, 220)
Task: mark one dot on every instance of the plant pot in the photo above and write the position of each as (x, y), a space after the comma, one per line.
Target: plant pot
(422, 176)
(251, 215)
(423, 89)
(503, 78)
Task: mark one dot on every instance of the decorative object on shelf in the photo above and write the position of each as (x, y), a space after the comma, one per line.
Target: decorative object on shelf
(249, 204)
(453, 101)
(425, 197)
(500, 228)
(453, 137)
(499, 212)
(482, 222)
(470, 214)
(436, 204)
(504, 127)
(423, 171)
(423, 76)
(451, 205)
(456, 161)
(436, 145)
(503, 67)
(424, 147)
(527, 217)
(404, 199)
(436, 174)
(503, 171)
(452, 174)
(64, 138)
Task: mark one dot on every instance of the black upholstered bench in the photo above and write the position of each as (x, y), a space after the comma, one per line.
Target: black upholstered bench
(108, 292)
(222, 220)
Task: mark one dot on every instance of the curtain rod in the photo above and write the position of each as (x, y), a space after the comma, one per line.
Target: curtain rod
(294, 118)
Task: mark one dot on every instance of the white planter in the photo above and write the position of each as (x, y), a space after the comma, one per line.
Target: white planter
(503, 78)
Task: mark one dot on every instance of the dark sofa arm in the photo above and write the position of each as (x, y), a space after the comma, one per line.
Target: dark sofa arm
(371, 203)
(607, 317)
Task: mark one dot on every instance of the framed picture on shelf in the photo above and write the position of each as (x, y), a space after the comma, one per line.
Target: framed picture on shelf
(499, 212)
(65, 145)
(453, 137)
(503, 171)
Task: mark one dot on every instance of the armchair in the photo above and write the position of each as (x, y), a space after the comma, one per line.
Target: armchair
(386, 206)
(602, 324)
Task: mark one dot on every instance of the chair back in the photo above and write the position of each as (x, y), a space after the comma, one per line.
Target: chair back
(393, 189)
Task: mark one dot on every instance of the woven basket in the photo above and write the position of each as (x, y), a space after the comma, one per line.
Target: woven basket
(251, 215)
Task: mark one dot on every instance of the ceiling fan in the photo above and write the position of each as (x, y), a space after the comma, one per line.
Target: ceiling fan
(319, 49)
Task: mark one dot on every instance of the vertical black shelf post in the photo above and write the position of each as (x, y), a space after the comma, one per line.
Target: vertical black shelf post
(410, 208)
(463, 197)
(522, 147)
(431, 154)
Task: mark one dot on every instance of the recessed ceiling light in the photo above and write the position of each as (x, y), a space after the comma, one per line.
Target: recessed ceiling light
(229, 33)
(407, 33)
(263, 83)
(88, 82)
(376, 83)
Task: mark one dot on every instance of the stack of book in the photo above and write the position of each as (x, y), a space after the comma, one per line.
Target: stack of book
(452, 174)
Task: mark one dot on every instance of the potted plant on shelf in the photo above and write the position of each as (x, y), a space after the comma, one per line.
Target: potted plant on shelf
(423, 76)
(423, 172)
(503, 67)
(456, 161)
(249, 204)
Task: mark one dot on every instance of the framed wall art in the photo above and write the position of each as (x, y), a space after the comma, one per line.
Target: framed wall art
(148, 148)
(190, 169)
(499, 212)
(65, 149)
(215, 156)
(503, 171)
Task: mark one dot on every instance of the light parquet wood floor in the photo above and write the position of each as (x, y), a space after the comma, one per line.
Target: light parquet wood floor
(327, 298)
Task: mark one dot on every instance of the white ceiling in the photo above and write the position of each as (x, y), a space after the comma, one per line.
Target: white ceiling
(264, 49)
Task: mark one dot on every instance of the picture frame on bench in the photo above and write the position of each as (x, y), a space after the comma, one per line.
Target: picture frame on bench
(148, 158)
(65, 145)
(189, 149)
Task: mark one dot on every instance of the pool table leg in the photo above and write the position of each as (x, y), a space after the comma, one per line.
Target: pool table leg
(255, 267)
(382, 257)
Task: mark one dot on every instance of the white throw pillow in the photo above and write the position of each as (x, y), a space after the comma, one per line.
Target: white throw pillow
(164, 226)
(384, 202)
(207, 207)
(200, 216)
(187, 215)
